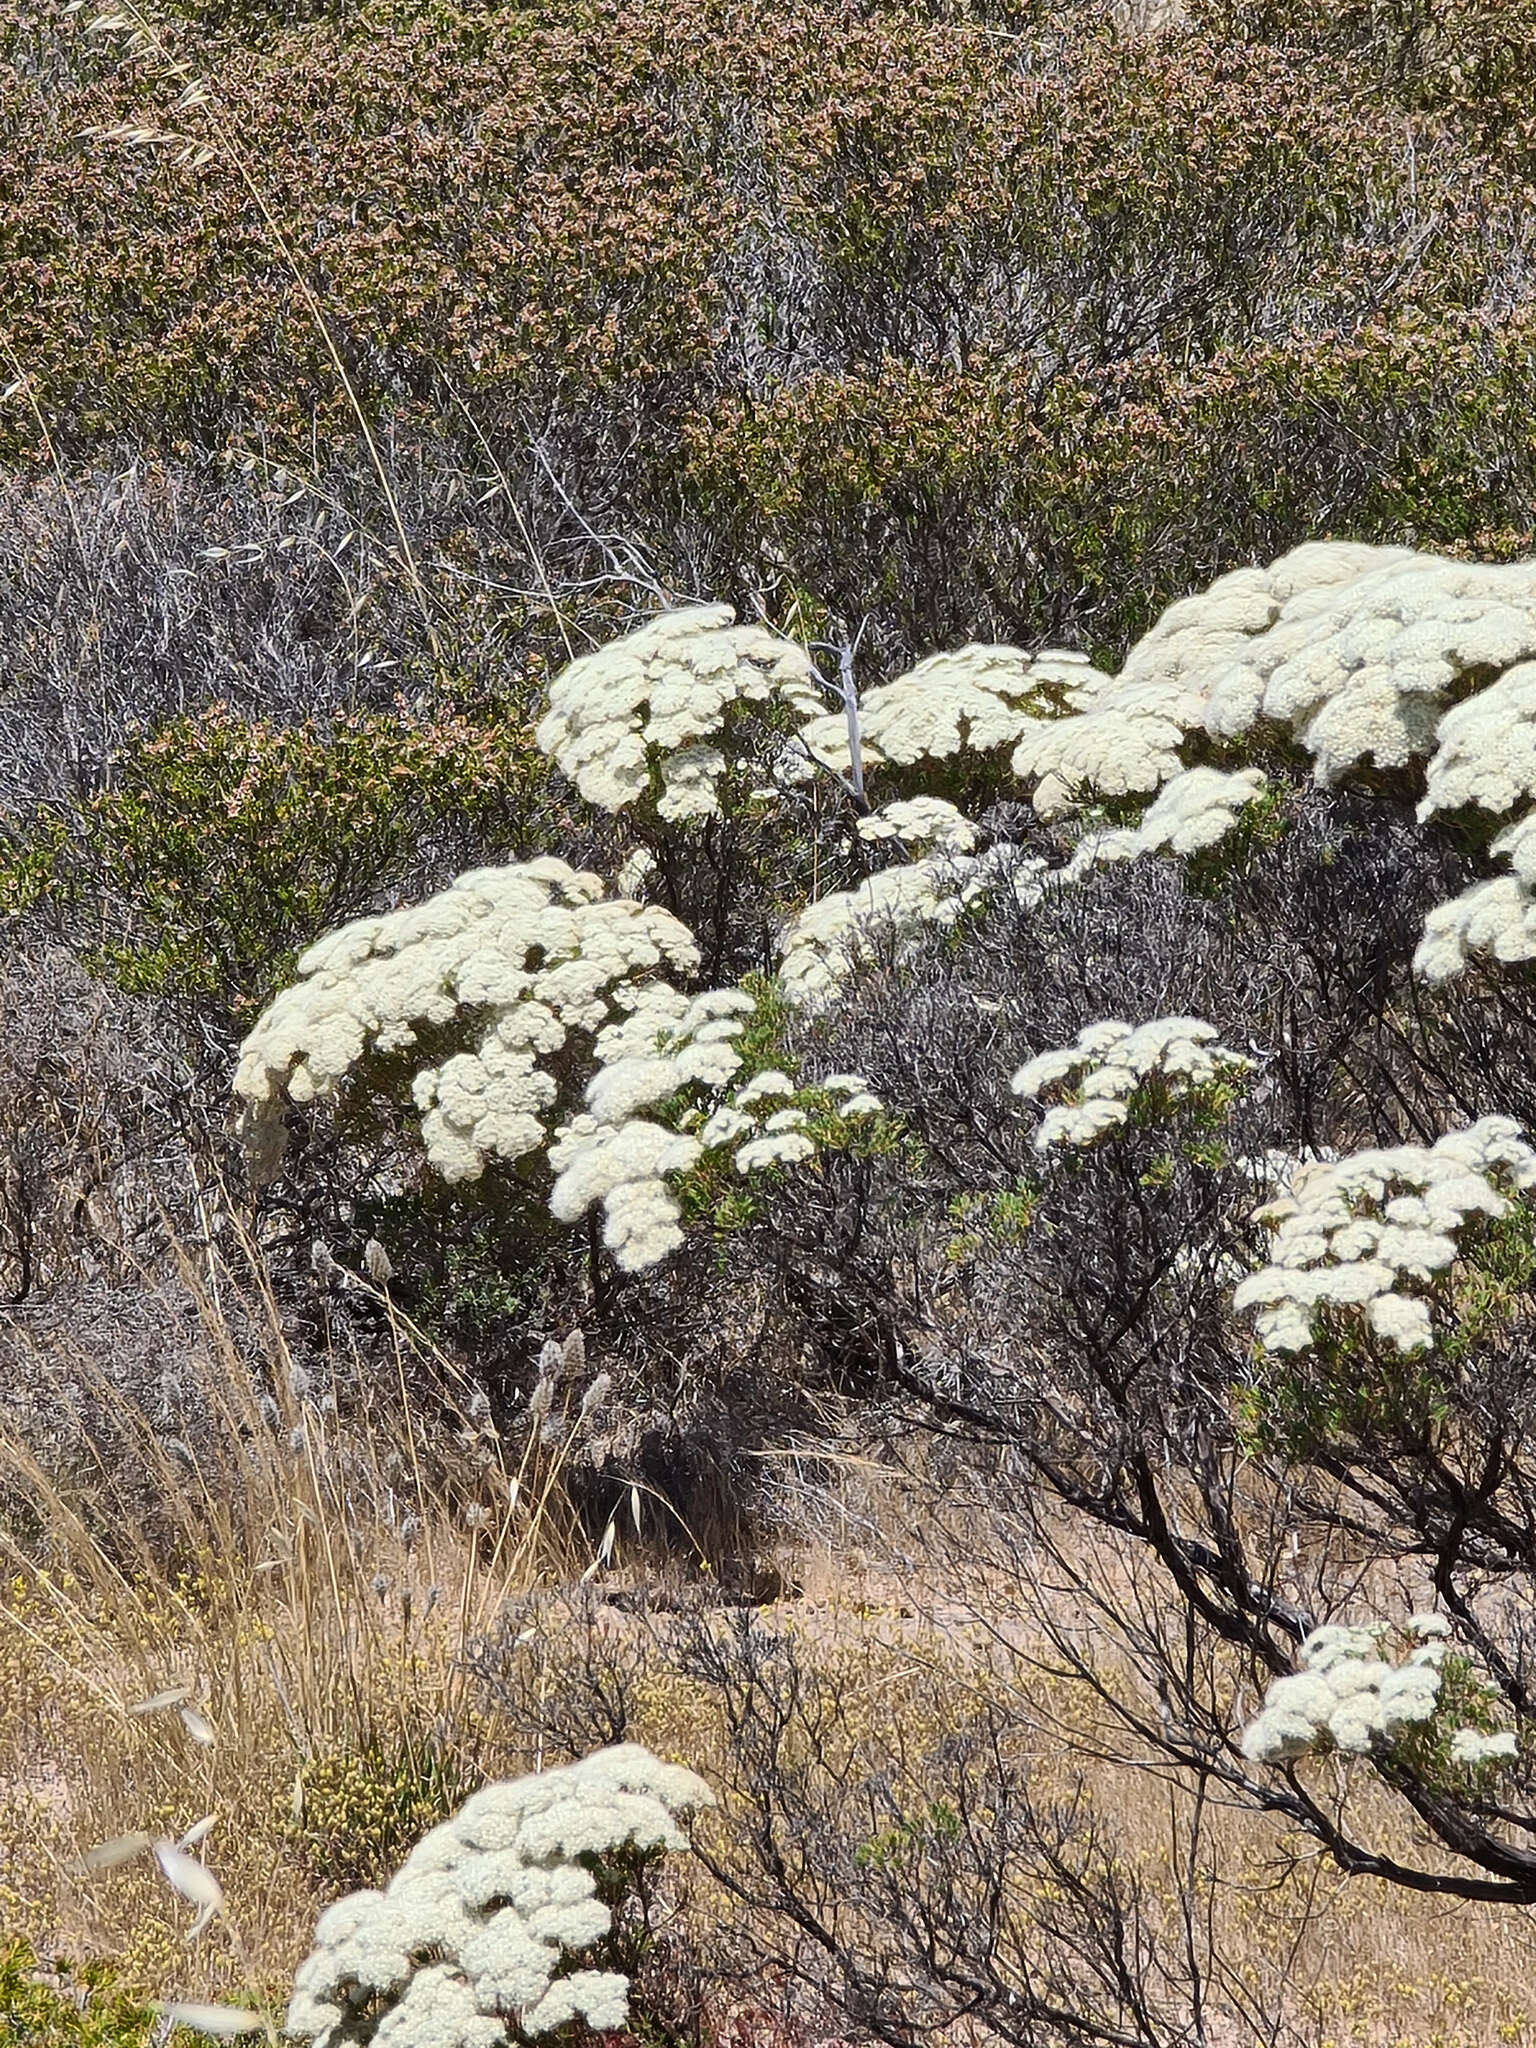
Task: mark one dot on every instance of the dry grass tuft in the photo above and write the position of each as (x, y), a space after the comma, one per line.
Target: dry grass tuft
(261, 1639)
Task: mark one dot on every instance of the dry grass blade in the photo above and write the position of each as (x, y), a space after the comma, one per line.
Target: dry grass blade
(192, 1881)
(111, 1855)
(223, 2022)
(173, 1696)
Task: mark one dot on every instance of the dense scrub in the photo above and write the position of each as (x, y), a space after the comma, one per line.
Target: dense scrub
(1050, 1127)
(1010, 325)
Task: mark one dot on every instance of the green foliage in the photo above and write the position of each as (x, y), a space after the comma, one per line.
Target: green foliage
(1465, 1700)
(1346, 1388)
(1260, 827)
(1191, 1118)
(897, 1846)
(225, 845)
(1467, 61)
(1492, 1283)
(712, 1194)
(1195, 1116)
(763, 1041)
(354, 1815)
(1113, 479)
(52, 2004)
(1003, 1216)
(29, 863)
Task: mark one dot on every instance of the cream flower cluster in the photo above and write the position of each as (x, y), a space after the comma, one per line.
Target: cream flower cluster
(921, 821)
(1127, 740)
(612, 1155)
(972, 699)
(1351, 649)
(1213, 633)
(1101, 1074)
(644, 715)
(1347, 1695)
(1472, 1748)
(1127, 745)
(819, 946)
(1353, 652)
(1496, 917)
(1194, 811)
(1485, 749)
(514, 959)
(1358, 670)
(1360, 1232)
(462, 1947)
(767, 1136)
(1485, 761)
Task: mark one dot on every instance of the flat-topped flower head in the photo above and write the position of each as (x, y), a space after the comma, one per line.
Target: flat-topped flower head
(512, 960)
(976, 699)
(1346, 1696)
(644, 717)
(1191, 813)
(920, 821)
(1101, 1076)
(467, 1945)
(1368, 1232)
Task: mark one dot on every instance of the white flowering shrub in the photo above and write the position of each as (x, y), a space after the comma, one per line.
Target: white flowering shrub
(525, 960)
(1474, 1749)
(1349, 652)
(972, 700)
(1360, 670)
(506, 979)
(634, 1167)
(1118, 1071)
(1363, 658)
(508, 961)
(1351, 1697)
(1370, 1235)
(649, 717)
(470, 1943)
(1351, 649)
(540, 1018)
